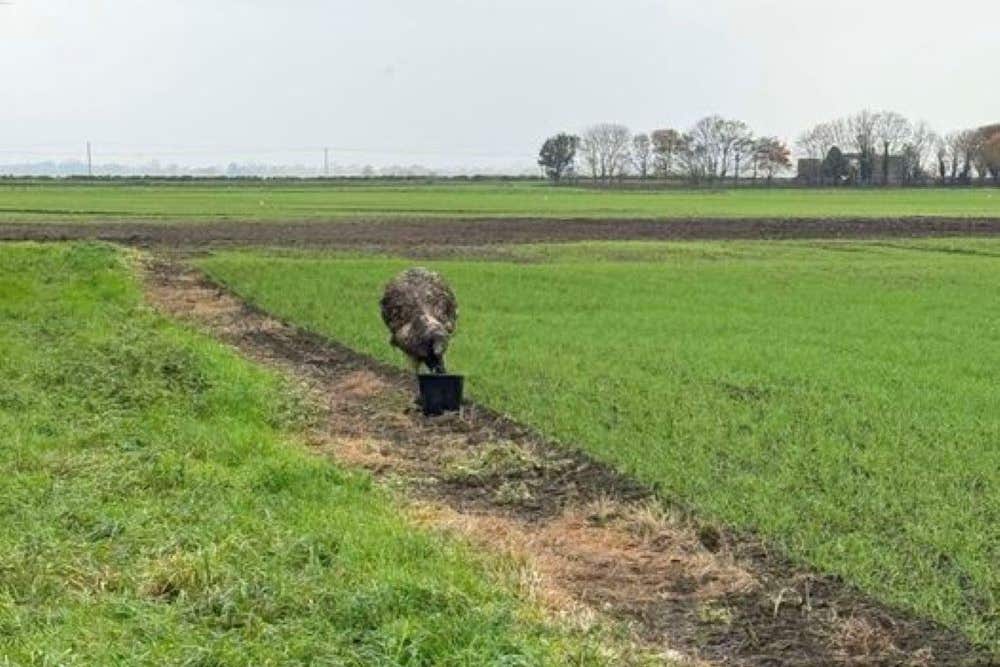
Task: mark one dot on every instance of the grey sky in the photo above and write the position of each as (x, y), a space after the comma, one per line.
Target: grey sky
(452, 81)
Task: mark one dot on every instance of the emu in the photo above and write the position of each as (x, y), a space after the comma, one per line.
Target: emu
(420, 311)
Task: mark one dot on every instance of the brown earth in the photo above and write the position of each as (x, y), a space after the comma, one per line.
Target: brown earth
(477, 232)
(593, 542)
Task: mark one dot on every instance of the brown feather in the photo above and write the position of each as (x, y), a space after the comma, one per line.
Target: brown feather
(420, 311)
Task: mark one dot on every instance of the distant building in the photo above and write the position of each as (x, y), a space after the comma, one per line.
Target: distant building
(897, 170)
(810, 170)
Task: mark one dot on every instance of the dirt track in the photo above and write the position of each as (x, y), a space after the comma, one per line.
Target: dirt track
(594, 541)
(477, 232)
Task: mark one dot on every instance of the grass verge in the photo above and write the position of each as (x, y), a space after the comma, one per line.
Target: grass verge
(158, 508)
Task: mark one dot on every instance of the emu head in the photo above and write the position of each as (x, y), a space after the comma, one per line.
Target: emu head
(433, 343)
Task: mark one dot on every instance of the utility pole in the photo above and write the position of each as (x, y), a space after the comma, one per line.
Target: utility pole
(326, 162)
(90, 163)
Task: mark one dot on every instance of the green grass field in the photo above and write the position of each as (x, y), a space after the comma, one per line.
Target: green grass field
(159, 508)
(319, 201)
(839, 397)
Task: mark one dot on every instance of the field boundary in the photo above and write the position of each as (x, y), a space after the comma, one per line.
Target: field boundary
(465, 232)
(595, 542)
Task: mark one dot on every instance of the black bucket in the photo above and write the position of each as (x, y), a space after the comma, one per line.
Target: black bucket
(440, 393)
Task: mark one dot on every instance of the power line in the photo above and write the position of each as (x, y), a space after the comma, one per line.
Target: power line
(134, 150)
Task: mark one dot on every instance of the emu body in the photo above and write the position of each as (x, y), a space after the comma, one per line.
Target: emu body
(420, 311)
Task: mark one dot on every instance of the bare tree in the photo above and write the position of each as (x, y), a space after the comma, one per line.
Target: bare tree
(703, 152)
(735, 138)
(693, 158)
(605, 149)
(862, 128)
(818, 141)
(918, 150)
(757, 155)
(642, 152)
(941, 157)
(667, 147)
(589, 150)
(893, 130)
(771, 156)
(743, 146)
(812, 143)
(867, 132)
(713, 144)
(954, 143)
(969, 146)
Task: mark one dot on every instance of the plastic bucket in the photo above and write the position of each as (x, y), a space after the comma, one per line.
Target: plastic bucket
(440, 393)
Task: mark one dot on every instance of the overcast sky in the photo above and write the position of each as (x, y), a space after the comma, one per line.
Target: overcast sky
(448, 81)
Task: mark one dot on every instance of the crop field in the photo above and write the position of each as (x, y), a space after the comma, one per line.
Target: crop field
(240, 200)
(761, 425)
(838, 398)
(160, 506)
(420, 360)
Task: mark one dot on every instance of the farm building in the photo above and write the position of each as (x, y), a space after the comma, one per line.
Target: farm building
(810, 170)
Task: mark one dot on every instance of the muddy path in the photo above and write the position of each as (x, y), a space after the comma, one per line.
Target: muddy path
(399, 232)
(595, 542)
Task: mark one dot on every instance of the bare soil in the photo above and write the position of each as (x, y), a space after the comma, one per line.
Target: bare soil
(398, 232)
(593, 542)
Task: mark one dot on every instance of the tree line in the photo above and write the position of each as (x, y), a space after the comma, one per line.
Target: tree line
(712, 150)
(863, 148)
(853, 146)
